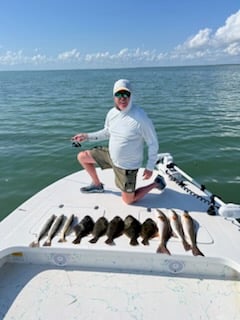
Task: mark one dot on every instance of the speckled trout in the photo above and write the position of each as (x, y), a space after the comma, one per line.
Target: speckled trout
(54, 229)
(43, 232)
(66, 228)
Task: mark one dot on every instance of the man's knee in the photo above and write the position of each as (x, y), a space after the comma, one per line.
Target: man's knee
(128, 198)
(82, 156)
(79, 156)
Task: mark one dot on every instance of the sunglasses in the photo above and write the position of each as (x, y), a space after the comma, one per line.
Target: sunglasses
(122, 94)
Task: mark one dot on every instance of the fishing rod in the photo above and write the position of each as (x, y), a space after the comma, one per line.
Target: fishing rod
(76, 144)
(227, 210)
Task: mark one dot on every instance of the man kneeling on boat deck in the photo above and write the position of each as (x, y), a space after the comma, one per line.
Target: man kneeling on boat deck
(127, 127)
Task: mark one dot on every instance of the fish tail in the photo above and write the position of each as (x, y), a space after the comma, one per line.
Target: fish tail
(145, 242)
(163, 249)
(77, 240)
(109, 241)
(34, 244)
(47, 243)
(62, 240)
(134, 242)
(93, 240)
(196, 251)
(186, 245)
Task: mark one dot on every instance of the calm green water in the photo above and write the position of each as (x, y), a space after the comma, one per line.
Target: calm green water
(196, 111)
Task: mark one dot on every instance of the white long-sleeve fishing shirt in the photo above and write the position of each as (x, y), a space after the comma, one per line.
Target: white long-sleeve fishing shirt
(127, 131)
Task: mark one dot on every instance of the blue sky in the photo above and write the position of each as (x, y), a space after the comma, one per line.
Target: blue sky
(63, 34)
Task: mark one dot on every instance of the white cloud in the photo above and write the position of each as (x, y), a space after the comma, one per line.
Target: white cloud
(39, 58)
(230, 32)
(124, 56)
(233, 49)
(11, 58)
(123, 52)
(99, 56)
(202, 38)
(206, 46)
(73, 54)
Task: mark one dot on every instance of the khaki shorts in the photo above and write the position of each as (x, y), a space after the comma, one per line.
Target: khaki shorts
(125, 179)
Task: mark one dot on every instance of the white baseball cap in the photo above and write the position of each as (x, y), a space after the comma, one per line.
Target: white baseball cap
(122, 85)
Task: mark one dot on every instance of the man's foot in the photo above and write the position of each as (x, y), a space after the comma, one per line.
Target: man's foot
(92, 188)
(161, 182)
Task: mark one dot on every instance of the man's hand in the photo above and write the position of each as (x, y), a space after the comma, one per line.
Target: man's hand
(80, 137)
(147, 174)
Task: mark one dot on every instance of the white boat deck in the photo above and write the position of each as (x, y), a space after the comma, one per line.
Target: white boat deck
(68, 293)
(87, 280)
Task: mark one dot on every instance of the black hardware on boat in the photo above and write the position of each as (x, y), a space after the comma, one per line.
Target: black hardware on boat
(211, 210)
(172, 173)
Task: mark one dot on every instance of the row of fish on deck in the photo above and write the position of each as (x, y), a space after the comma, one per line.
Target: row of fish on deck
(165, 226)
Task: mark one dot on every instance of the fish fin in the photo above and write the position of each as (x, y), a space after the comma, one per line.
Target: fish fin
(93, 240)
(34, 244)
(163, 249)
(145, 242)
(134, 242)
(197, 252)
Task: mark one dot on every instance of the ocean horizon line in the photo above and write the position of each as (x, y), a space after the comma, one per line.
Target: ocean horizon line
(123, 68)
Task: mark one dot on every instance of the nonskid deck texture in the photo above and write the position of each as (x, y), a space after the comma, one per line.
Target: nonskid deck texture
(38, 292)
(82, 281)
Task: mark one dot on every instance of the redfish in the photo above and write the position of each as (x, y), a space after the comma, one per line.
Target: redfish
(177, 229)
(189, 231)
(164, 230)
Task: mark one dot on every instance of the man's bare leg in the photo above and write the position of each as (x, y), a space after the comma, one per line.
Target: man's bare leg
(132, 197)
(88, 163)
